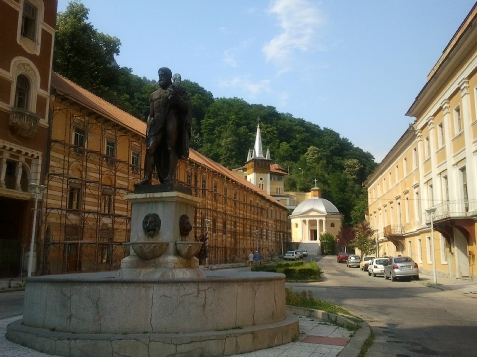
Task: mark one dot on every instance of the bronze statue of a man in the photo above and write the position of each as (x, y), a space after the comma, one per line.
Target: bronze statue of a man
(169, 118)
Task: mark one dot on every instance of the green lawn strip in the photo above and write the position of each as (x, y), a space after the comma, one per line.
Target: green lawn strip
(307, 300)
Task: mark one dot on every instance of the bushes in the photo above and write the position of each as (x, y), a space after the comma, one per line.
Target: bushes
(269, 268)
(293, 270)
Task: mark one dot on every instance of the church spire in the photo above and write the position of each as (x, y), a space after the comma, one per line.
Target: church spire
(258, 151)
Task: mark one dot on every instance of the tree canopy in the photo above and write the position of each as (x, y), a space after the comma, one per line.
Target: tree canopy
(222, 128)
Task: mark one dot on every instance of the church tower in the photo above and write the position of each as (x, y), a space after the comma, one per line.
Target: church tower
(257, 166)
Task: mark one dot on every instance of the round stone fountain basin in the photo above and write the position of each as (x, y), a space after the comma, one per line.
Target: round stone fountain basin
(188, 250)
(94, 310)
(148, 250)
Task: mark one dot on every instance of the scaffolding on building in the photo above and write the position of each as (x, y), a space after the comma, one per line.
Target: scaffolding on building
(85, 234)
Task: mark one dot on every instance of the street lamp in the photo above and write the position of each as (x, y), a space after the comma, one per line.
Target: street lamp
(377, 245)
(37, 191)
(431, 212)
(207, 222)
(281, 240)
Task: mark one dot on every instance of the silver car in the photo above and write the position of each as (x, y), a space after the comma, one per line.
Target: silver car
(353, 261)
(376, 266)
(401, 267)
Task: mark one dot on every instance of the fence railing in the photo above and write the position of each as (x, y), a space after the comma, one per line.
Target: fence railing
(393, 230)
(452, 209)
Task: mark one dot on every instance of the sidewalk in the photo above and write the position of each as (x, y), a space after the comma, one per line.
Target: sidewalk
(462, 285)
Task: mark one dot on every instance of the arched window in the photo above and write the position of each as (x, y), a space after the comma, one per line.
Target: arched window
(22, 92)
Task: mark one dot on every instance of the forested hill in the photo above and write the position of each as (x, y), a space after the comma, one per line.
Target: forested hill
(223, 128)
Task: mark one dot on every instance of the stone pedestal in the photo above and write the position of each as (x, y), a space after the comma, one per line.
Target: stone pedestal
(169, 206)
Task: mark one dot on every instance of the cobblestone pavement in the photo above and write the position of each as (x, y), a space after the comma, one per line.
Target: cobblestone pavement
(317, 338)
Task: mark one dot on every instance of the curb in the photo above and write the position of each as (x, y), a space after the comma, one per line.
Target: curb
(11, 289)
(353, 348)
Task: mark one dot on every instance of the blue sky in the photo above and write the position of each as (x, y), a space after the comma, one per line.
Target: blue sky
(354, 66)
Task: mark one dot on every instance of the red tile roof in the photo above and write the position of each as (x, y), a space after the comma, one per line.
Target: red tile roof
(76, 93)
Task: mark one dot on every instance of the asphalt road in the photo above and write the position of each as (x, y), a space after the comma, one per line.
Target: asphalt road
(407, 317)
(11, 304)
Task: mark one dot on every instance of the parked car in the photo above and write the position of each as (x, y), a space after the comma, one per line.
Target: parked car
(376, 266)
(291, 255)
(364, 263)
(401, 267)
(300, 253)
(342, 257)
(305, 252)
(353, 261)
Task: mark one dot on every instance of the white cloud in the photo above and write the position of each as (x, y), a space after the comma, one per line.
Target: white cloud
(299, 21)
(246, 85)
(229, 58)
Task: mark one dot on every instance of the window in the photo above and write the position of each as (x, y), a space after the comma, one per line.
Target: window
(332, 225)
(204, 187)
(78, 137)
(417, 205)
(189, 179)
(419, 250)
(10, 174)
(225, 194)
(215, 190)
(106, 203)
(29, 16)
(397, 173)
(406, 208)
(428, 147)
(135, 162)
(445, 189)
(110, 148)
(443, 249)
(409, 248)
(457, 120)
(430, 194)
(74, 197)
(463, 174)
(224, 227)
(440, 133)
(214, 225)
(235, 198)
(278, 190)
(415, 157)
(22, 92)
(405, 167)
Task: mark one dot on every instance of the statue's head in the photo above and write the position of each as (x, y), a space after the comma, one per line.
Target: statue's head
(184, 225)
(151, 224)
(165, 77)
(176, 78)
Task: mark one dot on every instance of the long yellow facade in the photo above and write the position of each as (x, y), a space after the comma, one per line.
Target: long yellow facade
(430, 173)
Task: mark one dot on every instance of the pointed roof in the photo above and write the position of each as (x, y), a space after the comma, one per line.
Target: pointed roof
(258, 151)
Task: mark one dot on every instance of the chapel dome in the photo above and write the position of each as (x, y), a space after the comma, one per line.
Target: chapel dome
(315, 204)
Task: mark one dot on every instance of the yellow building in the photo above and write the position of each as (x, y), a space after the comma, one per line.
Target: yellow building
(95, 154)
(430, 173)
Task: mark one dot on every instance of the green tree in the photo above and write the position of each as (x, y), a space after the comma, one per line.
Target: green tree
(328, 243)
(363, 238)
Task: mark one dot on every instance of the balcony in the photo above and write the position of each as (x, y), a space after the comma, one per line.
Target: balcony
(453, 210)
(393, 231)
(23, 123)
